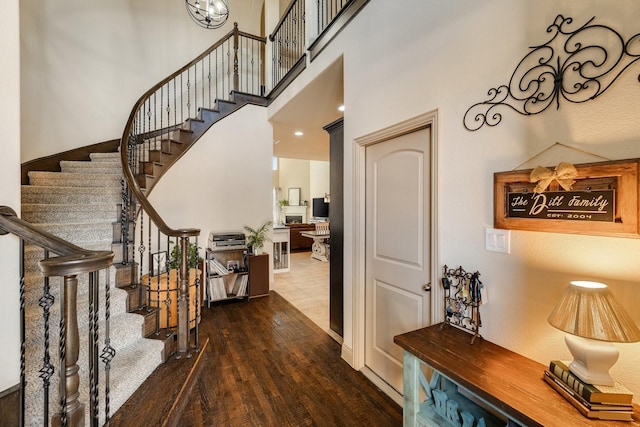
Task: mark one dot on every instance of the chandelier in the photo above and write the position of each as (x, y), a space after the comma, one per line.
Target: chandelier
(208, 14)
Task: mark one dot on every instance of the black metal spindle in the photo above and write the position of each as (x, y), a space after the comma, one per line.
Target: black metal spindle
(47, 370)
(167, 300)
(108, 352)
(23, 349)
(197, 303)
(62, 350)
(93, 348)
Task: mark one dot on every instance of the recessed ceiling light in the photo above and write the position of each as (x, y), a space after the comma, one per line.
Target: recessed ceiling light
(341, 108)
(298, 133)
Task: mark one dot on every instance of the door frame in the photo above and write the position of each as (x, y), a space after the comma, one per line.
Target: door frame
(425, 120)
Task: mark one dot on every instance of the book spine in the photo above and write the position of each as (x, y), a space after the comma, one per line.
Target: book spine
(562, 372)
(568, 389)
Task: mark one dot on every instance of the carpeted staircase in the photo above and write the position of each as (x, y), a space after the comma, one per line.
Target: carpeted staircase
(80, 204)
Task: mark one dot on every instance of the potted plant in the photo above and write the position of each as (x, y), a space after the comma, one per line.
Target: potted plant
(176, 255)
(256, 237)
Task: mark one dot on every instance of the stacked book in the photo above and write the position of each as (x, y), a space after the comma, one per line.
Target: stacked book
(240, 286)
(593, 401)
(217, 289)
(215, 267)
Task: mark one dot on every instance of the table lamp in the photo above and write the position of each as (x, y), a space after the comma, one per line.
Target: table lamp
(592, 319)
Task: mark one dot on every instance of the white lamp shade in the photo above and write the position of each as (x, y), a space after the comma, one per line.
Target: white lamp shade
(588, 310)
(592, 318)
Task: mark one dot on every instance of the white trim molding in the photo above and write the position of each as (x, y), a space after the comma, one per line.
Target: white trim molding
(426, 120)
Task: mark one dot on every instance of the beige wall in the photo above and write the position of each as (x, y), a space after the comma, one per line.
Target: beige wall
(84, 64)
(445, 56)
(219, 185)
(441, 55)
(10, 181)
(312, 176)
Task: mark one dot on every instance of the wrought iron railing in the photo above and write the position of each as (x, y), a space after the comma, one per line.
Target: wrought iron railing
(161, 123)
(71, 264)
(288, 41)
(328, 10)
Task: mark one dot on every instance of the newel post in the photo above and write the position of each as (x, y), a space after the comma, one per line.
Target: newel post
(183, 297)
(72, 411)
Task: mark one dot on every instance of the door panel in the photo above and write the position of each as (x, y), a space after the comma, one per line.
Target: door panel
(397, 227)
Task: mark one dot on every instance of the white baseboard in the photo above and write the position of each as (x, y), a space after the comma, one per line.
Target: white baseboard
(347, 355)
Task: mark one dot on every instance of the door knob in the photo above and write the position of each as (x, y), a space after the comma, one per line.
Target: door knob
(427, 287)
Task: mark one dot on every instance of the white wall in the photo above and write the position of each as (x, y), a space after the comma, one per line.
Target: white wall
(224, 181)
(446, 56)
(84, 64)
(10, 181)
(294, 173)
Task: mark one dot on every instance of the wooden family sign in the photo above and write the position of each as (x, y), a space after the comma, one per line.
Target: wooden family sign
(596, 198)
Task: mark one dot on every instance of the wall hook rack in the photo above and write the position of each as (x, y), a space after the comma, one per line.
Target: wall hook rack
(573, 65)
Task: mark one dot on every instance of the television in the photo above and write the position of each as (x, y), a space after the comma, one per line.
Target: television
(320, 208)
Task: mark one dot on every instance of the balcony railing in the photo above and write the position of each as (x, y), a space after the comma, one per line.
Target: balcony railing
(288, 41)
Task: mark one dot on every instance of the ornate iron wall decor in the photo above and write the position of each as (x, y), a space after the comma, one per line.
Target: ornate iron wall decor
(575, 65)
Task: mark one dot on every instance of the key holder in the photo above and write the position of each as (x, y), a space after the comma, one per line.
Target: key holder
(462, 299)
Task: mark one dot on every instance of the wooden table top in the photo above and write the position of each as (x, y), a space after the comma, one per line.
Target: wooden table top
(504, 379)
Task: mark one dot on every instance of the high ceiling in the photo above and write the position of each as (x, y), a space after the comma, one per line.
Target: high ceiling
(309, 111)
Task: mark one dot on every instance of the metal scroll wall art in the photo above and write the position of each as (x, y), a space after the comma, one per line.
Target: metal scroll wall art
(462, 299)
(574, 65)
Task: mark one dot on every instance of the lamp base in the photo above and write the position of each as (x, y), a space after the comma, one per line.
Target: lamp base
(592, 359)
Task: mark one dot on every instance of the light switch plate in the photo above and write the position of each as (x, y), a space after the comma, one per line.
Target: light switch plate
(497, 240)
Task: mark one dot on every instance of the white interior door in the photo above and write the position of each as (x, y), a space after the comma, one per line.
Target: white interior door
(397, 255)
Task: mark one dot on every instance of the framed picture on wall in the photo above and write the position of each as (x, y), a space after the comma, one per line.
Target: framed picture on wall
(294, 196)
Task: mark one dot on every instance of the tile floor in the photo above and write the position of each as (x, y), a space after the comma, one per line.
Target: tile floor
(306, 286)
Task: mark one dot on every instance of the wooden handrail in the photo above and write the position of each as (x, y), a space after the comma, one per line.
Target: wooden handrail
(283, 18)
(72, 260)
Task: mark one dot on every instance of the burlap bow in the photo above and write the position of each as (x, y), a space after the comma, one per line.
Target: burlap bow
(564, 174)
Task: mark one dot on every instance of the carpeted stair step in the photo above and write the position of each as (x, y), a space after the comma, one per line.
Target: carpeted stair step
(74, 179)
(83, 167)
(69, 195)
(37, 213)
(80, 233)
(131, 365)
(105, 157)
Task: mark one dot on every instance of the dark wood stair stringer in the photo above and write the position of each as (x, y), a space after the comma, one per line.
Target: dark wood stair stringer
(173, 148)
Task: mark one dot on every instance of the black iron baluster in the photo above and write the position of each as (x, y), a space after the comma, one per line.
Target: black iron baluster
(93, 348)
(47, 370)
(108, 352)
(23, 349)
(62, 349)
(196, 298)
(141, 250)
(167, 299)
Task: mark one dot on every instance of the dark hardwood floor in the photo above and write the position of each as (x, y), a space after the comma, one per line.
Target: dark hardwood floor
(263, 364)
